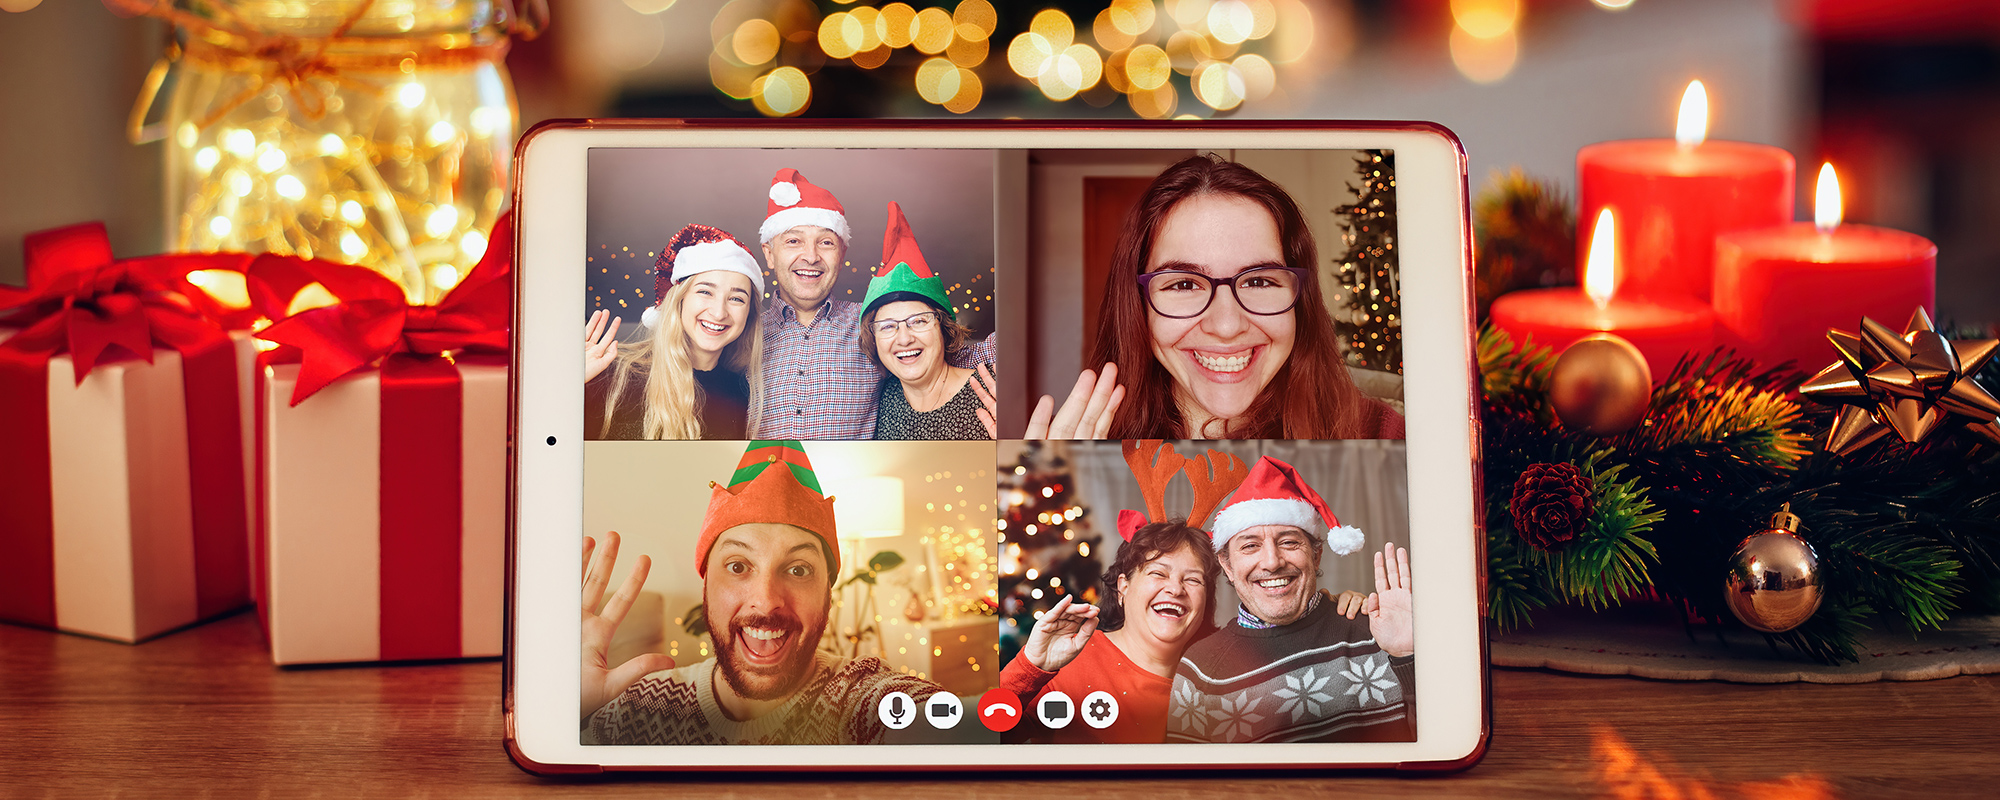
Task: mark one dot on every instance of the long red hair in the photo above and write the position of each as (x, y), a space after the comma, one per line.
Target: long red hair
(1311, 396)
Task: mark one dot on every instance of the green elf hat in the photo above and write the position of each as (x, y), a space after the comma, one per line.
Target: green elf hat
(904, 275)
(774, 482)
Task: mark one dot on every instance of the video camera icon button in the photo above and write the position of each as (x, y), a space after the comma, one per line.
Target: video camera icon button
(1099, 710)
(1055, 710)
(898, 710)
(943, 711)
(999, 710)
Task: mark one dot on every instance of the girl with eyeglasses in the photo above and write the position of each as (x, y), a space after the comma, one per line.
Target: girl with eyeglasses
(1213, 324)
(909, 328)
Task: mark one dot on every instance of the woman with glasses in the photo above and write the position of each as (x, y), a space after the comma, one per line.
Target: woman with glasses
(909, 328)
(1213, 326)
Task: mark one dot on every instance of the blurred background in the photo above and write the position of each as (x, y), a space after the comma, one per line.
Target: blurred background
(1902, 95)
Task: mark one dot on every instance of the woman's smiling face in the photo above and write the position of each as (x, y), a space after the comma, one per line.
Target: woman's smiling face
(1221, 359)
(716, 309)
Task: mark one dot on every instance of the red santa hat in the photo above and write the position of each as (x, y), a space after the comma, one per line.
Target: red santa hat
(795, 201)
(1274, 494)
(694, 250)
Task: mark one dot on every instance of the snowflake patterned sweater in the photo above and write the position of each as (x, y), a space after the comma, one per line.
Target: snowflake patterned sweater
(1320, 679)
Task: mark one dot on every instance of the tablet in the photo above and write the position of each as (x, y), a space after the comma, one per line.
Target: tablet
(993, 446)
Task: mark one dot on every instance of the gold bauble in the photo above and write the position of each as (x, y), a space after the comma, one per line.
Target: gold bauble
(1774, 577)
(1601, 385)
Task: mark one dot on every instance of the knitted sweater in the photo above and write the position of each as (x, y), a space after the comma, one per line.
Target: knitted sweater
(1101, 666)
(1320, 679)
(837, 705)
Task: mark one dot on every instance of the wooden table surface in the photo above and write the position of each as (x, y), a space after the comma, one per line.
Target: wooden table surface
(203, 713)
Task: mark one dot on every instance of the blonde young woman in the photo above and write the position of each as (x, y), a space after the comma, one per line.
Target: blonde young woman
(686, 380)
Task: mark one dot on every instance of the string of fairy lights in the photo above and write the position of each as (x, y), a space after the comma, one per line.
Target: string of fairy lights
(1224, 52)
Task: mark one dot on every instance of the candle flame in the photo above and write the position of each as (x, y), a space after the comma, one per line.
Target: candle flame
(1826, 201)
(1600, 271)
(1693, 126)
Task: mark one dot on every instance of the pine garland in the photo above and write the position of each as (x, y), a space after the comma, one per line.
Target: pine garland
(1906, 535)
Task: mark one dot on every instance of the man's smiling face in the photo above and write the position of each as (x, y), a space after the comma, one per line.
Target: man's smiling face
(767, 594)
(1274, 569)
(807, 260)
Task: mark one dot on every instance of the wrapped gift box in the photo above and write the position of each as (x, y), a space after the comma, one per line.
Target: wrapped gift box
(126, 502)
(382, 528)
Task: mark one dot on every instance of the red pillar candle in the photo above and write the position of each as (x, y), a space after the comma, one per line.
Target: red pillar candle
(1663, 327)
(1778, 290)
(1675, 195)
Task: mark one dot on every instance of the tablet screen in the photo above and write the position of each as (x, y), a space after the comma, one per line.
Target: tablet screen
(977, 446)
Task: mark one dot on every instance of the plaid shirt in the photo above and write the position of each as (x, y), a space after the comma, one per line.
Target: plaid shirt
(817, 382)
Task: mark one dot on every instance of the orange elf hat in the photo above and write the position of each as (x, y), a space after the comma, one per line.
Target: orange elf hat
(788, 495)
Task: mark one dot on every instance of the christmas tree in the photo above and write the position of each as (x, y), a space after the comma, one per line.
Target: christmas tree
(1045, 543)
(1371, 330)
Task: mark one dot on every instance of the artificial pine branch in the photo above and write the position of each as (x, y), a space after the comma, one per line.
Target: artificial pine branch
(1609, 561)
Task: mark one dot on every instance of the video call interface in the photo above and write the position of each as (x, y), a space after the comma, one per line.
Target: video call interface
(877, 455)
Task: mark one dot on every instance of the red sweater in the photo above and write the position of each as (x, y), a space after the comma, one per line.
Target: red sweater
(1141, 695)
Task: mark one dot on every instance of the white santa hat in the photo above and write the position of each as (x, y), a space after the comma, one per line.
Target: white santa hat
(1274, 494)
(795, 201)
(694, 250)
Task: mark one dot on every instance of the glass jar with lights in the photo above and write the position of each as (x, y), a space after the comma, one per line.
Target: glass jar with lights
(370, 132)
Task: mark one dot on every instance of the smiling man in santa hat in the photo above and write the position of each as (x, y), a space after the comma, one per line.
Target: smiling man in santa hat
(818, 384)
(767, 555)
(1290, 667)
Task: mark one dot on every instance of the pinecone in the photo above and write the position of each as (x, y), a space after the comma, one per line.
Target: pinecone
(1551, 504)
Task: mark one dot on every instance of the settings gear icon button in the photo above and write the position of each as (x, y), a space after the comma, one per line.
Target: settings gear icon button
(1100, 709)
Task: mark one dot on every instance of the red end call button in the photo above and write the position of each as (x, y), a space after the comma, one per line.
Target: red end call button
(999, 710)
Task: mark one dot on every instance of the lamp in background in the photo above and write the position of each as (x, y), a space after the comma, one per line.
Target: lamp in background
(864, 508)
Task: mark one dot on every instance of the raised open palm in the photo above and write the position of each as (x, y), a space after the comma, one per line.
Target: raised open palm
(1087, 414)
(1060, 634)
(602, 682)
(600, 345)
(1390, 619)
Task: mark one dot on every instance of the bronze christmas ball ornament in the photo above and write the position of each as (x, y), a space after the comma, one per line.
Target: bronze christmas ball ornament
(1774, 577)
(1601, 385)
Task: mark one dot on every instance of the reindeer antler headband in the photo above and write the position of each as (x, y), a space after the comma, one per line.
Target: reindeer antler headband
(1154, 463)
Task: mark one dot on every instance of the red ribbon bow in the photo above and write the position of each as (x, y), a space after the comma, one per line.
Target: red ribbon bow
(82, 301)
(373, 321)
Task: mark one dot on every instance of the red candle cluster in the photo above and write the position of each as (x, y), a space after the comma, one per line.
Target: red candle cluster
(1702, 252)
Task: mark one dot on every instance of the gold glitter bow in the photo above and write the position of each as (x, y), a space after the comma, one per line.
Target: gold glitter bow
(1911, 385)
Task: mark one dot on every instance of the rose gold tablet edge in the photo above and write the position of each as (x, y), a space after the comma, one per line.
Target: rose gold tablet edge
(510, 738)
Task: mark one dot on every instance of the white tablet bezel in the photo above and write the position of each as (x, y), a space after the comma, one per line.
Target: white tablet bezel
(546, 495)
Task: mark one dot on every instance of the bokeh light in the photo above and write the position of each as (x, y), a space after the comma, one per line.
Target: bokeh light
(1156, 103)
(1029, 55)
(1292, 36)
(784, 92)
(834, 34)
(969, 93)
(1149, 68)
(933, 31)
(1486, 19)
(1108, 34)
(978, 15)
(1132, 17)
(1054, 26)
(1219, 86)
(1259, 77)
(967, 52)
(1483, 60)
(1188, 50)
(1189, 14)
(755, 42)
(895, 25)
(1230, 21)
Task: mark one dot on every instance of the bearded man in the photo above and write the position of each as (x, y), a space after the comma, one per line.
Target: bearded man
(767, 555)
(1291, 667)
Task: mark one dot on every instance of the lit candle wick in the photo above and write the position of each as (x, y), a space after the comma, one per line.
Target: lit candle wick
(1693, 126)
(1826, 201)
(1600, 269)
